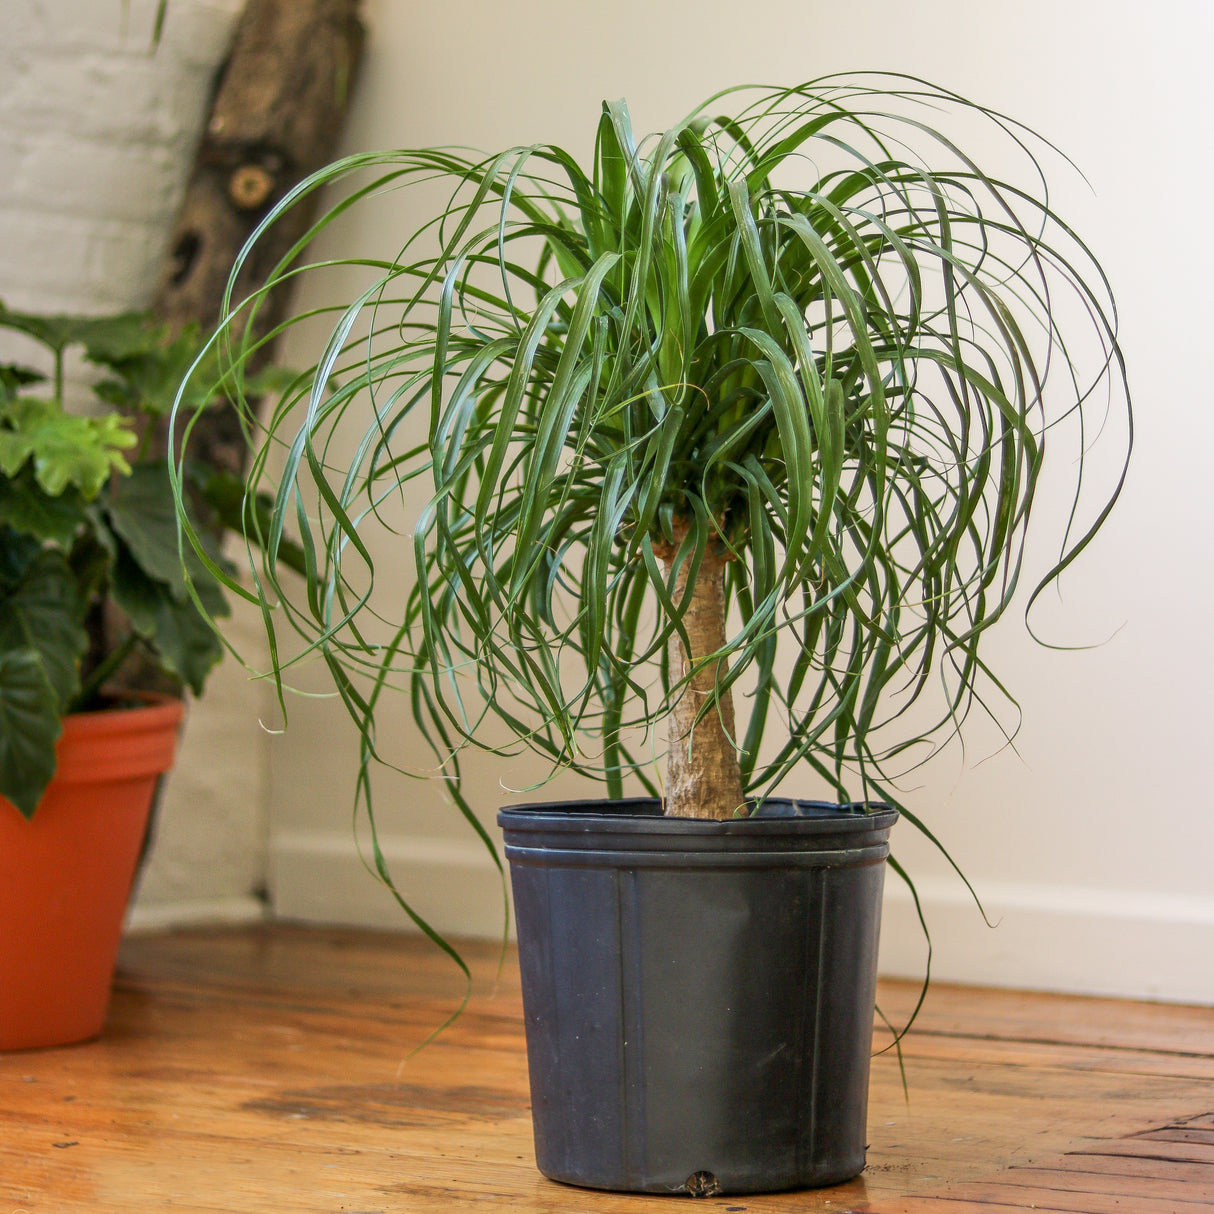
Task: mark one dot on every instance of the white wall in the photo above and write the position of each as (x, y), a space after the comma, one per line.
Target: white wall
(1091, 843)
(97, 135)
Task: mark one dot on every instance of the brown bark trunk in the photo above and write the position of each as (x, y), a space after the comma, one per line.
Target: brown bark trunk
(702, 775)
(276, 117)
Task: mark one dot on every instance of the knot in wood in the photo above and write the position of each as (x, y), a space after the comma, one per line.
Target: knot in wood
(250, 186)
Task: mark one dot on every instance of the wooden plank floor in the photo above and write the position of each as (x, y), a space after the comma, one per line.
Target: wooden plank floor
(270, 1071)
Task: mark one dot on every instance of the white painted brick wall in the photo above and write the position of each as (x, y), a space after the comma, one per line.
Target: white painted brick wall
(97, 134)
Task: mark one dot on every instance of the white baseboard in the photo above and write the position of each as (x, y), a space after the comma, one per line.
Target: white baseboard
(168, 916)
(1088, 941)
(319, 877)
(1137, 945)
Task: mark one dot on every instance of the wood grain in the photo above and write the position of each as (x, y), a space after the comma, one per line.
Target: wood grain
(279, 105)
(277, 1070)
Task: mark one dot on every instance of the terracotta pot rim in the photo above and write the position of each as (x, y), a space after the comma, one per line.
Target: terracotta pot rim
(155, 707)
(120, 743)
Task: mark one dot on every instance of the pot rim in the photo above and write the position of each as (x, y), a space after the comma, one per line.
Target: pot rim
(578, 823)
(124, 742)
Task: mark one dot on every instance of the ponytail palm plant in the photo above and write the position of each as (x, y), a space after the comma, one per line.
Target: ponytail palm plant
(733, 434)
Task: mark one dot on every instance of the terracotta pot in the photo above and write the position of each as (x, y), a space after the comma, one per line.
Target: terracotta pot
(66, 874)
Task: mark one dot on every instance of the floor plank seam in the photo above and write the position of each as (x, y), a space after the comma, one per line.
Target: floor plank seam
(1059, 1043)
(1201, 1163)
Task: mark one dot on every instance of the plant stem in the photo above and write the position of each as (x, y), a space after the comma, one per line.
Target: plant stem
(703, 779)
(96, 680)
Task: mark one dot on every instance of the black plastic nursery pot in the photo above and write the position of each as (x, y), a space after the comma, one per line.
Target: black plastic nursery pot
(698, 995)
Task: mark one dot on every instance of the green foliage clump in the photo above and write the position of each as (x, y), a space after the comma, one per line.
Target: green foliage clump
(94, 598)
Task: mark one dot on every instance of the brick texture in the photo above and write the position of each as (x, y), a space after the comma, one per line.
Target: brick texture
(97, 130)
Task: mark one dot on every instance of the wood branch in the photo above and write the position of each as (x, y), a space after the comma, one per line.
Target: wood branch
(277, 114)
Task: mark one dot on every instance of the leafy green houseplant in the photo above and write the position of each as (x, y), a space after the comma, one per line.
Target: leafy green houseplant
(93, 598)
(99, 638)
(748, 415)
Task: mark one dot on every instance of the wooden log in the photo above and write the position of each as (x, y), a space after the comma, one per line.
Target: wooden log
(279, 106)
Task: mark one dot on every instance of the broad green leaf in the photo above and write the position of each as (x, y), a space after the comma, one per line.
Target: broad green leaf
(18, 551)
(142, 513)
(14, 377)
(41, 612)
(152, 379)
(29, 728)
(185, 642)
(103, 337)
(27, 508)
(65, 450)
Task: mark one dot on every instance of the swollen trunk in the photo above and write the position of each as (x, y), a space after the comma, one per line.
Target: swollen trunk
(702, 776)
